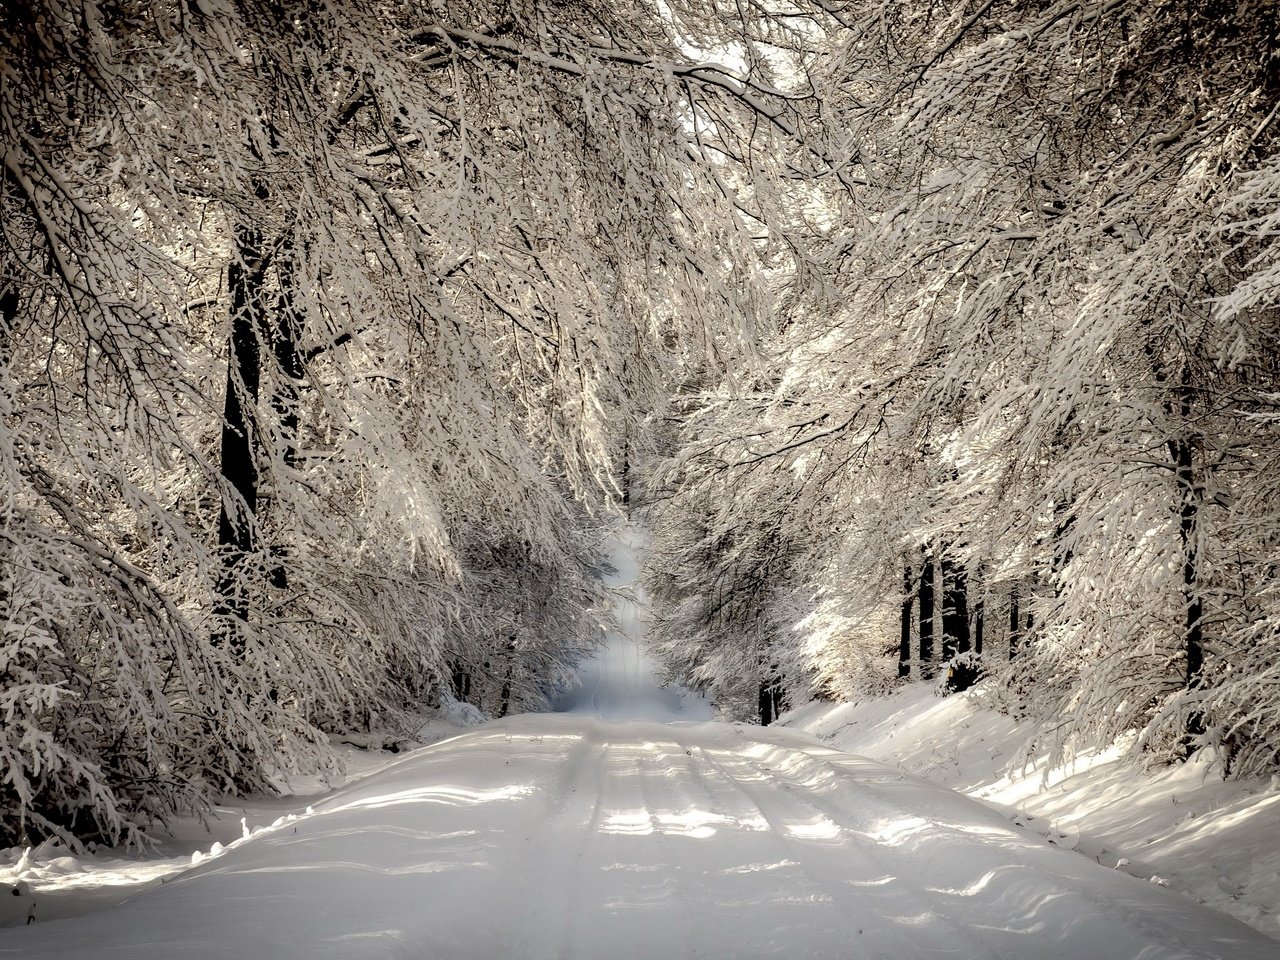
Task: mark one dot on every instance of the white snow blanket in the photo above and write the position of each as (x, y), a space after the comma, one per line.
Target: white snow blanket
(570, 836)
(602, 833)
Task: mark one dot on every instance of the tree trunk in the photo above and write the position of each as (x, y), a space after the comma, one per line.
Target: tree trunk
(461, 681)
(904, 642)
(771, 700)
(1015, 632)
(8, 316)
(237, 520)
(955, 609)
(926, 615)
(286, 339)
(626, 473)
(1183, 455)
(766, 706)
(979, 621)
(10, 274)
(1178, 407)
(9, 304)
(504, 700)
(1064, 521)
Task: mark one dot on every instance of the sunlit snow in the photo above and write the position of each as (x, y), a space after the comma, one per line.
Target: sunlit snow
(593, 834)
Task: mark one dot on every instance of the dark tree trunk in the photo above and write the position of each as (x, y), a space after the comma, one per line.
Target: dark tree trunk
(286, 345)
(772, 701)
(504, 702)
(237, 520)
(926, 616)
(1183, 455)
(1188, 520)
(1179, 408)
(955, 626)
(1064, 521)
(10, 273)
(286, 348)
(904, 642)
(979, 622)
(461, 680)
(9, 304)
(626, 473)
(955, 609)
(1015, 628)
(626, 458)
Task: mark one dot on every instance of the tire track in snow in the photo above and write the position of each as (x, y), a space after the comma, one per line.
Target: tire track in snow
(654, 771)
(567, 838)
(1050, 877)
(610, 873)
(1128, 934)
(828, 854)
(571, 809)
(747, 865)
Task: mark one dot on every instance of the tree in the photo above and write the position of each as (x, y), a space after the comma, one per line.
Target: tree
(1047, 309)
(316, 322)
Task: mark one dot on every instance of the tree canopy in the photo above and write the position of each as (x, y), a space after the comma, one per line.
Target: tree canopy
(1022, 386)
(324, 327)
(936, 338)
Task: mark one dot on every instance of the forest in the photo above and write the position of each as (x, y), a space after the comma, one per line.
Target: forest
(932, 340)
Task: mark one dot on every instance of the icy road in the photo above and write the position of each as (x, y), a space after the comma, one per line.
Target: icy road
(574, 836)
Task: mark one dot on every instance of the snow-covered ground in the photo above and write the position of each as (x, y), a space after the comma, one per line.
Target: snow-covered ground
(622, 682)
(1217, 842)
(574, 835)
(571, 836)
(50, 883)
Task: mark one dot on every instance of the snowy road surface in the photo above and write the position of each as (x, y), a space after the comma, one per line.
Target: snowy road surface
(620, 683)
(603, 834)
(569, 836)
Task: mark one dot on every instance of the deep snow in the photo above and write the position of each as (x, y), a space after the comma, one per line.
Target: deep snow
(573, 835)
(1216, 841)
(570, 836)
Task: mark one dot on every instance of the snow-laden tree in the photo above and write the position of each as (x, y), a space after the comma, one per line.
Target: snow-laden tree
(1041, 341)
(323, 326)
(722, 562)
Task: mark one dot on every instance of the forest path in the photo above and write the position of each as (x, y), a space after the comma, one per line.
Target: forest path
(569, 836)
(604, 832)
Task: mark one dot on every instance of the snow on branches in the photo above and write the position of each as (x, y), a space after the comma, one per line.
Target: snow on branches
(323, 327)
(1022, 388)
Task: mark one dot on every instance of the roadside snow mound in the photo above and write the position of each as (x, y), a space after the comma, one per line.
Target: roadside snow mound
(1217, 842)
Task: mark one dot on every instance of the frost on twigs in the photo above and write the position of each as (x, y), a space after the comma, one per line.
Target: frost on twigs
(1021, 383)
(327, 334)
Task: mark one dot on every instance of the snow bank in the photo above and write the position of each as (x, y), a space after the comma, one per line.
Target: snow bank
(49, 882)
(1217, 842)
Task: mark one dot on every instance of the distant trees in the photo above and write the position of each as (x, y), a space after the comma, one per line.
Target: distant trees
(723, 559)
(320, 328)
(1037, 339)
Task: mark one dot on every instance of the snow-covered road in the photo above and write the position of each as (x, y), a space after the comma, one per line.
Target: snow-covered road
(569, 836)
(601, 833)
